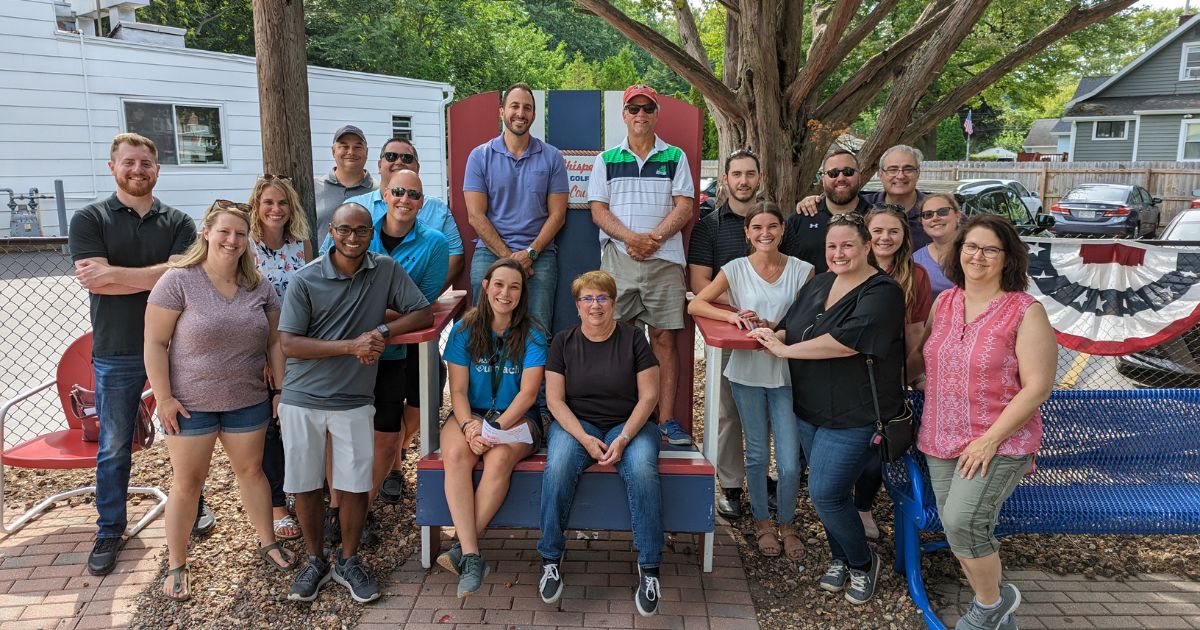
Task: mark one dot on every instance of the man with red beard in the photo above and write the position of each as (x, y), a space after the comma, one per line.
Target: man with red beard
(804, 234)
(120, 247)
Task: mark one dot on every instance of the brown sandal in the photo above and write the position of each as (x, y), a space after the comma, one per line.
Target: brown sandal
(793, 547)
(767, 540)
(289, 557)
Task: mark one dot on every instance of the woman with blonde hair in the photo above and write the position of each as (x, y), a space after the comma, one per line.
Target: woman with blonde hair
(205, 390)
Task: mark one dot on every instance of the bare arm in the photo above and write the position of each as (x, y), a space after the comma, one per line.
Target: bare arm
(675, 219)
(823, 347)
(531, 382)
(556, 206)
(160, 327)
(98, 276)
(456, 267)
(702, 304)
(460, 403)
(604, 219)
(367, 346)
(275, 358)
(477, 207)
(916, 357)
(308, 251)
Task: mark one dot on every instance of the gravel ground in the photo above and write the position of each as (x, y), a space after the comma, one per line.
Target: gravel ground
(232, 588)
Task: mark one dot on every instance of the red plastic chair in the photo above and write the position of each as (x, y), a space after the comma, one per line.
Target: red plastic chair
(65, 449)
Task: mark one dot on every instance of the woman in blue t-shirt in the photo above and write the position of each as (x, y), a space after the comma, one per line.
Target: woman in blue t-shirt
(496, 356)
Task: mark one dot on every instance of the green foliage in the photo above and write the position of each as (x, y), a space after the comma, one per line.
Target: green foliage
(951, 140)
(221, 25)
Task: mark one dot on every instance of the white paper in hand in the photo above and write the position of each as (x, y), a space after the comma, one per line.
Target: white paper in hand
(517, 435)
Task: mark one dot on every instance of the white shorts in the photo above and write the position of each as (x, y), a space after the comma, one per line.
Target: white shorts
(352, 435)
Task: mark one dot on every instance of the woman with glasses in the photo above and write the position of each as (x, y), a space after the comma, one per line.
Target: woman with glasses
(279, 236)
(210, 322)
(843, 326)
(989, 356)
(497, 357)
(602, 389)
(761, 287)
(940, 217)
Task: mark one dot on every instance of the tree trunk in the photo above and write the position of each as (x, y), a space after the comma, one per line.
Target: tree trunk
(283, 96)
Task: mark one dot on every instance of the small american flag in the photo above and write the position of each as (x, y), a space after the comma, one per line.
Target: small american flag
(967, 126)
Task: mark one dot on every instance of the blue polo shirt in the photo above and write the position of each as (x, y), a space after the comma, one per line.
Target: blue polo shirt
(479, 385)
(434, 213)
(516, 187)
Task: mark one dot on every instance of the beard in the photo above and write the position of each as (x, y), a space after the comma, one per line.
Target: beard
(509, 127)
(139, 188)
(840, 197)
(749, 195)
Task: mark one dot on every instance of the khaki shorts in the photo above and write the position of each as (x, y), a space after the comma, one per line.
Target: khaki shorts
(650, 291)
(968, 508)
(352, 435)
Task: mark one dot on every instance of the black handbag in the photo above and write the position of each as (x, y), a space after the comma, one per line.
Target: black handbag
(895, 437)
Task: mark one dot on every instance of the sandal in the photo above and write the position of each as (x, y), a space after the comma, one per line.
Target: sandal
(286, 528)
(793, 547)
(768, 542)
(288, 565)
(181, 586)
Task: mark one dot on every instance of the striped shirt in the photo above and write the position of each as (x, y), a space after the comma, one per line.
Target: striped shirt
(640, 193)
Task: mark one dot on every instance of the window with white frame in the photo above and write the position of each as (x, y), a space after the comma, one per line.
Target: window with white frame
(1109, 130)
(1189, 64)
(186, 135)
(402, 127)
(1189, 140)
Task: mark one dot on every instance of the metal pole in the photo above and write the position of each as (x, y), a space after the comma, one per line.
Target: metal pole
(60, 199)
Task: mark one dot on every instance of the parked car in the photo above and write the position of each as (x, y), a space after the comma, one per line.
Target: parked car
(1175, 363)
(1195, 199)
(995, 197)
(1027, 197)
(708, 194)
(1113, 210)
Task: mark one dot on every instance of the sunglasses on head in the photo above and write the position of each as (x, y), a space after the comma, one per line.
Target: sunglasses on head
(848, 171)
(941, 212)
(405, 158)
(412, 193)
(633, 108)
(846, 217)
(225, 204)
(267, 177)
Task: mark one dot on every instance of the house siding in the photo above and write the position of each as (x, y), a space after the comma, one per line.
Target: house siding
(1088, 150)
(1159, 138)
(1159, 74)
(44, 133)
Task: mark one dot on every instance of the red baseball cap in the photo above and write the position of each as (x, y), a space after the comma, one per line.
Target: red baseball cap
(639, 90)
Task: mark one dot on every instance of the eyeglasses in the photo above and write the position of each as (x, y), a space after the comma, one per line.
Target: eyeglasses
(267, 177)
(990, 253)
(852, 218)
(594, 299)
(633, 108)
(893, 171)
(941, 212)
(405, 158)
(360, 232)
(225, 204)
(848, 171)
(412, 193)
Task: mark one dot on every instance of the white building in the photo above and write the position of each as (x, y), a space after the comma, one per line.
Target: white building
(64, 94)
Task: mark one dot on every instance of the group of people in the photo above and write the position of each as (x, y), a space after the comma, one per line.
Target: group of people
(306, 393)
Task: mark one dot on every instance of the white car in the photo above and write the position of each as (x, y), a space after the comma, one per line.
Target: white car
(1028, 197)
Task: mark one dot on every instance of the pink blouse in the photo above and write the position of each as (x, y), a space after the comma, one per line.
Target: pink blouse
(972, 374)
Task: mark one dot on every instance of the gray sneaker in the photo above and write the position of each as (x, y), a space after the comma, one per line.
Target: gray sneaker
(1011, 624)
(836, 576)
(451, 558)
(991, 619)
(862, 583)
(471, 572)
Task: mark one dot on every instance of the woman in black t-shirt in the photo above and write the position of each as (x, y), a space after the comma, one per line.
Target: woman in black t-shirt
(602, 388)
(839, 322)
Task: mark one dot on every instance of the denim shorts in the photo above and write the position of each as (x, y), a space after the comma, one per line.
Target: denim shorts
(244, 420)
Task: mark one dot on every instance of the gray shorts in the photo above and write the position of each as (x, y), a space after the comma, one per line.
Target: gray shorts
(968, 507)
(352, 436)
(650, 291)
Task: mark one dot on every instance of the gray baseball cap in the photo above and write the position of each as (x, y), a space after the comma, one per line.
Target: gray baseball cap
(345, 129)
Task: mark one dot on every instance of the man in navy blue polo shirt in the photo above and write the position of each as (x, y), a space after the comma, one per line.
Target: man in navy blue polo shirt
(516, 193)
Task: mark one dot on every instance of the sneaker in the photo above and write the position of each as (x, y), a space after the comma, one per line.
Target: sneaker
(550, 587)
(675, 433)
(370, 533)
(471, 571)
(1009, 623)
(978, 618)
(648, 592)
(836, 576)
(205, 519)
(349, 572)
(104, 555)
(729, 503)
(309, 581)
(391, 491)
(862, 583)
(333, 527)
(451, 558)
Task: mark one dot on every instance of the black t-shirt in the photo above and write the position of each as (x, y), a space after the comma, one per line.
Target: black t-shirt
(109, 229)
(804, 236)
(836, 393)
(601, 378)
(390, 242)
(718, 238)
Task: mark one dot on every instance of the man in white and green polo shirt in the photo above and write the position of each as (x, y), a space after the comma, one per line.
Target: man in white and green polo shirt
(641, 195)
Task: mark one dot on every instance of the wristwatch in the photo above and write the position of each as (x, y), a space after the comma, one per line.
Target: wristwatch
(533, 253)
(384, 330)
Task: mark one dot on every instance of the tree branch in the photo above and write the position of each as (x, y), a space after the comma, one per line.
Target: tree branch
(828, 26)
(1075, 19)
(685, 22)
(730, 5)
(692, 71)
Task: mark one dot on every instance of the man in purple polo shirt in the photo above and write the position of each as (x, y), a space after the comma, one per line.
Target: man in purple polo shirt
(516, 192)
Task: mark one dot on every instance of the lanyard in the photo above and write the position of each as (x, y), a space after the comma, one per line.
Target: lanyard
(497, 359)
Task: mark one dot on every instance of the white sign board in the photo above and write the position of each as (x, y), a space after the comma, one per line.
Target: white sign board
(579, 172)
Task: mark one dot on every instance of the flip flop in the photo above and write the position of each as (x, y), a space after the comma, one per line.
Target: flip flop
(283, 552)
(285, 524)
(181, 578)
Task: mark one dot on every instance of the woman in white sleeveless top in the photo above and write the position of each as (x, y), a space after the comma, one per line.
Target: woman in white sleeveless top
(761, 287)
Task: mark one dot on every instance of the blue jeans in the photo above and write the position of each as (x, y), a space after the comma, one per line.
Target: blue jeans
(119, 385)
(765, 411)
(565, 460)
(836, 457)
(541, 286)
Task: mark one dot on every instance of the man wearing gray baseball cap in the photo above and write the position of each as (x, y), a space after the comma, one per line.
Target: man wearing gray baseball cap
(348, 178)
